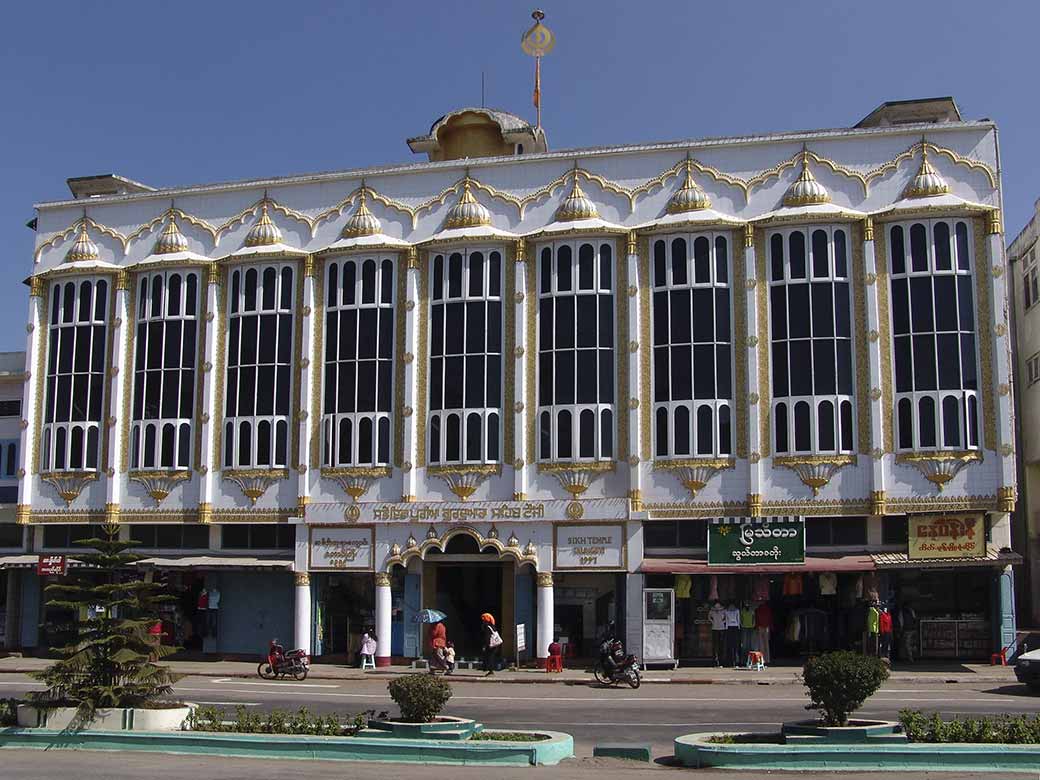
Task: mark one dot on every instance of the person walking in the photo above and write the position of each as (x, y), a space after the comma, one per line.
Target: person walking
(492, 643)
(438, 641)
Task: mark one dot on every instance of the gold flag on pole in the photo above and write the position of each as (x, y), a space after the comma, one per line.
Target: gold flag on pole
(538, 41)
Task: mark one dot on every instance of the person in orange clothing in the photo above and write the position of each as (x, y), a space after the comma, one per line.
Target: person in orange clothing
(492, 643)
(438, 641)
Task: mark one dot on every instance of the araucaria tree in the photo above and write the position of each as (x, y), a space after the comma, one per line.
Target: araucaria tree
(110, 658)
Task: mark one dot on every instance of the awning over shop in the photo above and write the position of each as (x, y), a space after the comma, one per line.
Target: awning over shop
(844, 563)
(901, 560)
(18, 561)
(216, 562)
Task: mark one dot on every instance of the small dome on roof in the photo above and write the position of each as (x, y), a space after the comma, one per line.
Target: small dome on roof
(927, 183)
(362, 222)
(171, 239)
(689, 197)
(806, 191)
(83, 248)
(468, 212)
(264, 232)
(576, 205)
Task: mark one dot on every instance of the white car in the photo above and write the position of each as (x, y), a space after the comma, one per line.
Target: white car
(1027, 669)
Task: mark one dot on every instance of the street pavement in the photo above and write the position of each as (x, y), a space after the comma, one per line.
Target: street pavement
(63, 764)
(654, 714)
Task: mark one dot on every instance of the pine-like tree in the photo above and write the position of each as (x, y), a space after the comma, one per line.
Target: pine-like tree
(110, 660)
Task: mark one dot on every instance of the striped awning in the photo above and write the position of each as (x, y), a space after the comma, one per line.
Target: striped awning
(756, 520)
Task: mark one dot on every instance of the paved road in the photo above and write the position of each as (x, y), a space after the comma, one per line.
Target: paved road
(654, 713)
(61, 765)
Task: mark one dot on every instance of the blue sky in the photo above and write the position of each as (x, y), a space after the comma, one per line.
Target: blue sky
(189, 92)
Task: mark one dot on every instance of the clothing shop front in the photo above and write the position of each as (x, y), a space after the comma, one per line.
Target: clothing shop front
(754, 589)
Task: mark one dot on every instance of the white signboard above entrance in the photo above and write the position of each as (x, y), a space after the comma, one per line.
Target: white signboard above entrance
(585, 547)
(342, 548)
(467, 512)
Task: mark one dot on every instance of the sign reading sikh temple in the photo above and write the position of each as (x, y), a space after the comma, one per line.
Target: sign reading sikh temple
(589, 547)
(940, 536)
(744, 542)
(341, 548)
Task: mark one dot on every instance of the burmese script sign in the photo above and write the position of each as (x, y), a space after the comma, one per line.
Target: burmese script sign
(341, 549)
(466, 512)
(938, 536)
(746, 542)
(589, 547)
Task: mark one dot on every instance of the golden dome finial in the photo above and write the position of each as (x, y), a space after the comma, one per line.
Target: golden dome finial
(362, 222)
(577, 204)
(806, 191)
(468, 212)
(927, 183)
(689, 197)
(171, 239)
(83, 249)
(264, 232)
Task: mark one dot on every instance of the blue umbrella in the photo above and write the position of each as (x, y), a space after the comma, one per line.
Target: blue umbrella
(429, 616)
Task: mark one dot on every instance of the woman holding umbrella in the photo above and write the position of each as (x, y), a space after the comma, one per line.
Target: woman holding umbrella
(438, 636)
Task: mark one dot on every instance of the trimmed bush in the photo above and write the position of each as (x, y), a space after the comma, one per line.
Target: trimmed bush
(301, 721)
(840, 682)
(1001, 729)
(421, 697)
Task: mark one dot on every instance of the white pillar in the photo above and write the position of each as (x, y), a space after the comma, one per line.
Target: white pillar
(522, 458)
(308, 376)
(635, 433)
(119, 362)
(35, 341)
(412, 353)
(210, 464)
(877, 404)
(756, 404)
(546, 613)
(302, 626)
(383, 609)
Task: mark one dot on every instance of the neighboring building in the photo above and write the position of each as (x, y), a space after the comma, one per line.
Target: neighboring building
(562, 387)
(12, 535)
(1024, 261)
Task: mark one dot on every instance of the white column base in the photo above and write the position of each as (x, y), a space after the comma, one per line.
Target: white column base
(302, 625)
(546, 614)
(383, 610)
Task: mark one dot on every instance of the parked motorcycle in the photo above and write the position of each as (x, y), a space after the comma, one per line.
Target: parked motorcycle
(614, 666)
(279, 663)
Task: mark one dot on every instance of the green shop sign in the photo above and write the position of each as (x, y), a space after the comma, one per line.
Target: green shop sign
(747, 542)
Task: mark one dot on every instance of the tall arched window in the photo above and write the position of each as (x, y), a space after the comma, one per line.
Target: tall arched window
(75, 375)
(165, 347)
(465, 383)
(811, 340)
(259, 366)
(359, 351)
(576, 350)
(693, 349)
(933, 335)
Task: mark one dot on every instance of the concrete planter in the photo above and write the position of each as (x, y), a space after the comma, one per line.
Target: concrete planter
(858, 731)
(413, 751)
(445, 727)
(694, 750)
(118, 719)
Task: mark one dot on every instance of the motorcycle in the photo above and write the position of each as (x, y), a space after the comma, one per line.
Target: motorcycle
(279, 663)
(615, 667)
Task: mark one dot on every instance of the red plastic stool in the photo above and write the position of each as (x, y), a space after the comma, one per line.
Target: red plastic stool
(554, 663)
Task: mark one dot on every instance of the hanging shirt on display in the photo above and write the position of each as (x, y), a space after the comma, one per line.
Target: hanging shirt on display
(793, 585)
(885, 622)
(713, 588)
(732, 617)
(828, 584)
(764, 616)
(683, 585)
(873, 620)
(747, 617)
(761, 588)
(717, 616)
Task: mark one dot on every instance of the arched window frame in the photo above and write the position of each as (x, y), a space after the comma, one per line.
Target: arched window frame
(560, 420)
(344, 389)
(451, 426)
(77, 346)
(676, 401)
(244, 422)
(796, 416)
(166, 307)
(919, 412)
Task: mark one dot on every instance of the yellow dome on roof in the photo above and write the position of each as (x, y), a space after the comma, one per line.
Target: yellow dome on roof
(576, 205)
(264, 232)
(468, 212)
(84, 248)
(806, 191)
(362, 222)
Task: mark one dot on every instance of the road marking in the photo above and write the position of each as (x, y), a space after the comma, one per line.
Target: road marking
(23, 684)
(275, 684)
(230, 703)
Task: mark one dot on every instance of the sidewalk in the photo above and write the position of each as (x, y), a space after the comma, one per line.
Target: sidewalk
(775, 675)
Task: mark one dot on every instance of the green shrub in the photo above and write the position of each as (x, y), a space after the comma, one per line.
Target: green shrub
(300, 721)
(8, 712)
(421, 697)
(840, 682)
(1000, 729)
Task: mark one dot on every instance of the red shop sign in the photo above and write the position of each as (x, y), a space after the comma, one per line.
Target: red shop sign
(52, 565)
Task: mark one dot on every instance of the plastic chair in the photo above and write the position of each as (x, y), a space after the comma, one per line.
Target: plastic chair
(554, 663)
(755, 661)
(368, 662)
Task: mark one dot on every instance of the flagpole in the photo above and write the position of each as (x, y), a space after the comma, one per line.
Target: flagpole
(538, 89)
(538, 41)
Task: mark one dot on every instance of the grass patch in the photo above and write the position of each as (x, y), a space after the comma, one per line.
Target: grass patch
(745, 739)
(508, 736)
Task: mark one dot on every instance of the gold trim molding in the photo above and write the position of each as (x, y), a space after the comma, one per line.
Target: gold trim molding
(941, 466)
(695, 473)
(159, 484)
(815, 471)
(254, 482)
(355, 480)
(575, 478)
(69, 484)
(464, 480)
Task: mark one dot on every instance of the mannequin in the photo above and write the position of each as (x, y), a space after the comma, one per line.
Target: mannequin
(717, 616)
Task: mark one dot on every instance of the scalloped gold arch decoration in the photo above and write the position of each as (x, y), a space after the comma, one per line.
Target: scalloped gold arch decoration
(503, 549)
(172, 211)
(783, 165)
(915, 149)
(71, 229)
(680, 168)
(251, 210)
